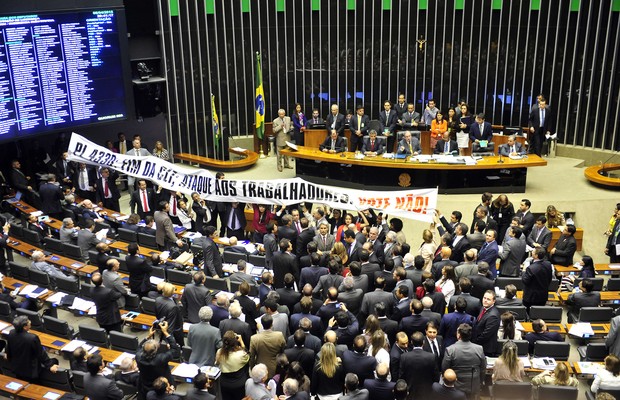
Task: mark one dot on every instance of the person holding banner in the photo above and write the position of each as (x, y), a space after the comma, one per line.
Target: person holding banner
(138, 151)
(282, 127)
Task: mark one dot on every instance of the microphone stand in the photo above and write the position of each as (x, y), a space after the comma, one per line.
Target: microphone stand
(500, 161)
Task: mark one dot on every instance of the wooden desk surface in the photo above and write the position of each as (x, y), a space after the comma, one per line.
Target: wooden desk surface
(599, 330)
(145, 321)
(552, 296)
(556, 233)
(5, 380)
(486, 162)
(250, 158)
(37, 392)
(553, 327)
(605, 295)
(605, 269)
(577, 367)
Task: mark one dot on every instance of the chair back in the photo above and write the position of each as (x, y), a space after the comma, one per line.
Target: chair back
(511, 390)
(92, 256)
(232, 257)
(68, 286)
(179, 277)
(85, 289)
(34, 317)
(520, 312)
(595, 314)
(123, 342)
(40, 279)
(147, 241)
(128, 390)
(31, 237)
(522, 346)
(16, 231)
(216, 284)
(57, 327)
(94, 336)
(19, 271)
(558, 350)
(502, 281)
(127, 235)
(78, 382)
(554, 285)
(186, 352)
(597, 282)
(234, 287)
(547, 313)
(132, 302)
(554, 392)
(596, 352)
(483, 151)
(159, 272)
(6, 314)
(53, 245)
(60, 380)
(256, 260)
(148, 305)
(72, 251)
(613, 284)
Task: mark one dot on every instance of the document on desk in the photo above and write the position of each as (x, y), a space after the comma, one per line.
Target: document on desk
(56, 297)
(581, 329)
(544, 363)
(590, 368)
(74, 344)
(81, 304)
(120, 358)
(185, 370)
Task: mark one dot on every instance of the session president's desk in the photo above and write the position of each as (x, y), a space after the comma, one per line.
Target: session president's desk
(379, 173)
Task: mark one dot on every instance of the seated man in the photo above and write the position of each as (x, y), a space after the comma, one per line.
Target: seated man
(373, 146)
(512, 148)
(587, 297)
(446, 145)
(541, 332)
(409, 145)
(333, 144)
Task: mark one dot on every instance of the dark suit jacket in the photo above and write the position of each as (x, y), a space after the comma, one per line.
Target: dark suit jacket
(283, 263)
(534, 119)
(441, 146)
(311, 124)
(360, 364)
(237, 326)
(168, 308)
(139, 271)
(390, 123)
(136, 196)
(107, 309)
(485, 331)
(473, 304)
(480, 284)
(114, 192)
(195, 394)
(419, 369)
(239, 213)
(212, 256)
(427, 347)
(504, 149)
(288, 298)
(440, 391)
(565, 249)
(379, 147)
(303, 238)
(51, 195)
(101, 388)
(583, 299)
(413, 323)
(329, 120)
(458, 251)
(26, 355)
(450, 323)
(355, 128)
(475, 134)
(527, 221)
(339, 145)
(303, 355)
(544, 238)
(379, 389)
(287, 232)
(194, 298)
(536, 279)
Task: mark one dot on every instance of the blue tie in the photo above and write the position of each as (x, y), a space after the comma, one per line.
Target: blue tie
(447, 147)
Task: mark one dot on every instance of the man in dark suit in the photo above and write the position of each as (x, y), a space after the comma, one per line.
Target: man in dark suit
(286, 231)
(540, 236)
(195, 296)
(288, 295)
(433, 343)
(541, 332)
(350, 295)
(536, 279)
(65, 170)
(489, 252)
(284, 262)
(541, 124)
(212, 256)
(482, 214)
(409, 145)
(199, 390)
(107, 193)
(139, 271)
(481, 282)
(400, 106)
(144, 198)
(388, 119)
(451, 321)
(446, 145)
(587, 297)
(84, 180)
(510, 297)
(410, 118)
(236, 325)
(359, 129)
(98, 387)
(108, 316)
(380, 388)
(512, 148)
(487, 324)
(418, 368)
(333, 144)
(352, 246)
(413, 322)
(480, 130)
(564, 249)
(402, 306)
(235, 220)
(51, 195)
(167, 307)
(526, 216)
(357, 361)
(303, 238)
(122, 144)
(299, 352)
(373, 146)
(446, 390)
(26, 357)
(153, 358)
(371, 299)
(473, 303)
(335, 122)
(247, 305)
(306, 312)
(460, 244)
(315, 121)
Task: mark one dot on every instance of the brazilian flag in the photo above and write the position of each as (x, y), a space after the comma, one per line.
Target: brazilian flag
(259, 101)
(217, 136)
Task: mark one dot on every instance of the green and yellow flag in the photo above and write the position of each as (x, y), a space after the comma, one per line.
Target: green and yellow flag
(259, 101)
(217, 136)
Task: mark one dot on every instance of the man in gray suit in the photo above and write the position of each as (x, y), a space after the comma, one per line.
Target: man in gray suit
(468, 267)
(113, 281)
(513, 253)
(241, 275)
(195, 296)
(86, 239)
(164, 233)
(204, 339)
(540, 236)
(97, 386)
(467, 360)
(353, 392)
(282, 127)
(410, 118)
(613, 339)
(137, 150)
(324, 240)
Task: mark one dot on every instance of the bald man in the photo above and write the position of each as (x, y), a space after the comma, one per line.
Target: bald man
(380, 388)
(446, 389)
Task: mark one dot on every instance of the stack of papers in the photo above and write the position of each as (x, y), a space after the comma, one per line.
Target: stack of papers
(581, 329)
(74, 344)
(185, 370)
(590, 368)
(82, 305)
(544, 363)
(525, 360)
(155, 280)
(121, 217)
(120, 358)
(211, 372)
(56, 298)
(33, 291)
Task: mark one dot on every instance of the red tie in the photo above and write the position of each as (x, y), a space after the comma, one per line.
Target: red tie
(298, 227)
(106, 189)
(484, 310)
(372, 145)
(145, 203)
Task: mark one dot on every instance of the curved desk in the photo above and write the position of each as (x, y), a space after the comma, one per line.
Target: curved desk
(378, 173)
(597, 174)
(251, 157)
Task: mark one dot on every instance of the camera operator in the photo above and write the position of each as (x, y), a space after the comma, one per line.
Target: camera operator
(166, 307)
(153, 357)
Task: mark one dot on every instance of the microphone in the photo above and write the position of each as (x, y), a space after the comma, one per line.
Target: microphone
(500, 161)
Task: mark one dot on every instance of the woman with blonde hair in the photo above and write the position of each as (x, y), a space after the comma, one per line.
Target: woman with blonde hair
(508, 367)
(427, 249)
(232, 359)
(560, 376)
(328, 374)
(554, 217)
(340, 251)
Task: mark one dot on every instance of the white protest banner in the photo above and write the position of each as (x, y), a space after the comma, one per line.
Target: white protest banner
(417, 204)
